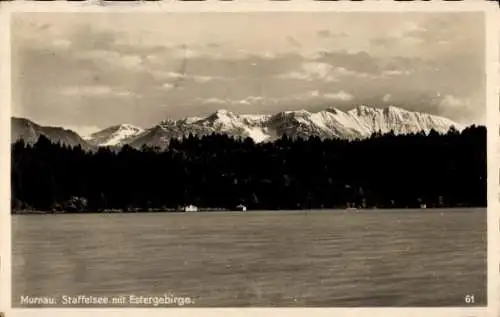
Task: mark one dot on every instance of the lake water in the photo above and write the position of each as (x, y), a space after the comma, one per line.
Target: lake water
(263, 259)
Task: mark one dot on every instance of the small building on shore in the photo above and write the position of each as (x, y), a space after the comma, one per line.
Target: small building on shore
(241, 207)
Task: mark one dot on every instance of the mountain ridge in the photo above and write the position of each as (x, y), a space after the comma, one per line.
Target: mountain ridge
(357, 123)
(29, 131)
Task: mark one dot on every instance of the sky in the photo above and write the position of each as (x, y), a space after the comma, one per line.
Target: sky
(88, 71)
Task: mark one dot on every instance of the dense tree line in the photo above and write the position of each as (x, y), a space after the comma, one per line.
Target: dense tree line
(384, 171)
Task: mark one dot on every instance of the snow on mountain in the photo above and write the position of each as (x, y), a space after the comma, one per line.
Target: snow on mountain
(221, 121)
(360, 122)
(115, 135)
(399, 120)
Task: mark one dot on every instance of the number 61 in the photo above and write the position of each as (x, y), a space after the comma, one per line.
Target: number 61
(469, 299)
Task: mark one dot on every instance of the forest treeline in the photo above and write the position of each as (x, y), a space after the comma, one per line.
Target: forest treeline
(217, 171)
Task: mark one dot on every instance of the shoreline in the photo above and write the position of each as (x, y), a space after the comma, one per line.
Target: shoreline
(219, 210)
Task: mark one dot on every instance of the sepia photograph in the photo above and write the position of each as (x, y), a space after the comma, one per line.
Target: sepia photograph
(248, 159)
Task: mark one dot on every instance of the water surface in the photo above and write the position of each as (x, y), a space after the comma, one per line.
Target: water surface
(285, 258)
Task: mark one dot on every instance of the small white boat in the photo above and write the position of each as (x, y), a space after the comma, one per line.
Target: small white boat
(190, 208)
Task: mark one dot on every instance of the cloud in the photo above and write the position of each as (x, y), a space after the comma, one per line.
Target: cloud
(319, 70)
(250, 100)
(360, 62)
(342, 71)
(96, 91)
(341, 95)
(132, 61)
(158, 74)
(330, 34)
(411, 41)
(113, 59)
(306, 95)
(390, 42)
(324, 33)
(396, 72)
(293, 42)
(213, 100)
(167, 86)
(185, 52)
(410, 31)
(408, 37)
(61, 43)
(214, 52)
(289, 100)
(202, 79)
(387, 97)
(450, 102)
(462, 109)
(312, 71)
(409, 28)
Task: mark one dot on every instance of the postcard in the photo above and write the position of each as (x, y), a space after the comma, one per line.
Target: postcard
(250, 158)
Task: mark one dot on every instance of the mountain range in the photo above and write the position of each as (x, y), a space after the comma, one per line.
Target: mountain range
(357, 123)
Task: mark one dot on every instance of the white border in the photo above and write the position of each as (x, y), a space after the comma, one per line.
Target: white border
(493, 118)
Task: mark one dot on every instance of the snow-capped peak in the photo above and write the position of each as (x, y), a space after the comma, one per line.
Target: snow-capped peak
(400, 120)
(115, 135)
(362, 110)
(332, 110)
(130, 127)
(223, 114)
(360, 122)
